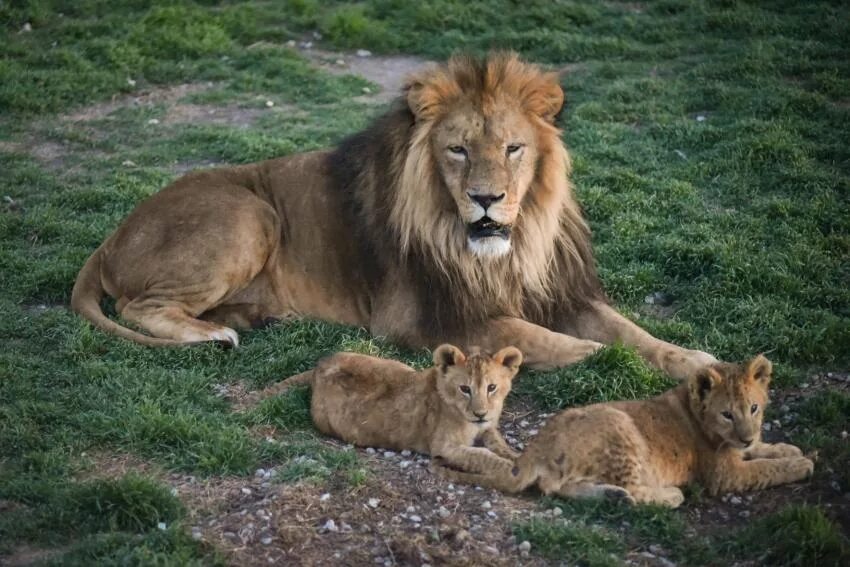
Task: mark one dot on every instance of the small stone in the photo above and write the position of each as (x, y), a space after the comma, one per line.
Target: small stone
(524, 423)
(290, 43)
(443, 512)
(153, 121)
(844, 434)
(490, 549)
(267, 540)
(373, 502)
(260, 473)
(776, 424)
(340, 62)
(307, 44)
(330, 526)
(804, 385)
(767, 427)
(406, 453)
(366, 90)
(370, 451)
(450, 486)
(415, 519)
(462, 535)
(317, 36)
(492, 514)
(229, 535)
(735, 500)
(410, 509)
(364, 53)
(525, 546)
(161, 526)
(269, 103)
(835, 486)
(784, 408)
(486, 505)
(131, 82)
(700, 118)
(27, 27)
(325, 497)
(556, 512)
(196, 533)
(405, 464)
(659, 298)
(246, 490)
(744, 514)
(389, 454)
(128, 163)
(533, 432)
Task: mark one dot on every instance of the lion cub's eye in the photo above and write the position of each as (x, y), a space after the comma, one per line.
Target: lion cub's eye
(491, 388)
(466, 391)
(728, 415)
(754, 408)
(513, 149)
(458, 151)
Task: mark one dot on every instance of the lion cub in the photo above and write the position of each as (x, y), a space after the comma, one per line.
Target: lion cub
(706, 429)
(440, 411)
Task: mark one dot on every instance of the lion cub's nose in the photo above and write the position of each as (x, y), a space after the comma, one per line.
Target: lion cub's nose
(479, 414)
(747, 442)
(485, 200)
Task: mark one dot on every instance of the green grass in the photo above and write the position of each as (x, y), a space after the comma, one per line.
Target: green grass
(740, 217)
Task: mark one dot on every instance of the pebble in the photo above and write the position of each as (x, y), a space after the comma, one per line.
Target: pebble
(389, 454)
(486, 505)
(410, 509)
(700, 118)
(266, 540)
(330, 526)
(366, 90)
(246, 490)
(405, 464)
(196, 533)
(373, 502)
(325, 497)
(131, 82)
(27, 27)
(491, 549)
(290, 43)
(364, 53)
(557, 511)
(524, 423)
(835, 486)
(153, 121)
(533, 432)
(260, 473)
(744, 513)
(844, 435)
(128, 163)
(784, 408)
(450, 486)
(269, 103)
(525, 546)
(767, 427)
(406, 453)
(161, 526)
(735, 501)
(340, 62)
(415, 519)
(491, 513)
(443, 512)
(370, 451)
(307, 44)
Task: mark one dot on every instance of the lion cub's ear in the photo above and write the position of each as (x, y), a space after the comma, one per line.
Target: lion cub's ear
(703, 382)
(760, 369)
(447, 355)
(509, 357)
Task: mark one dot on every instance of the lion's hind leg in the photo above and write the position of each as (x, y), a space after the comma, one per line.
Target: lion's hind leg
(171, 321)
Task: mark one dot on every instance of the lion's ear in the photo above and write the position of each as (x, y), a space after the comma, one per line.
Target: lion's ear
(448, 355)
(703, 382)
(760, 369)
(428, 92)
(510, 357)
(545, 97)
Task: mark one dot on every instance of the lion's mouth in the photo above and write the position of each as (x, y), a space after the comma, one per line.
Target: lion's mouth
(485, 227)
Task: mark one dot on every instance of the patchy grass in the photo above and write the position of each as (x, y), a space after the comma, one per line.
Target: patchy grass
(710, 144)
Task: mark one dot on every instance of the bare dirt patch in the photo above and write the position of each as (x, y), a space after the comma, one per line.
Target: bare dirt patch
(387, 71)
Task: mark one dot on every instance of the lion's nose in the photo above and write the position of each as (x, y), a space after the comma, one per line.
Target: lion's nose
(747, 441)
(479, 414)
(485, 200)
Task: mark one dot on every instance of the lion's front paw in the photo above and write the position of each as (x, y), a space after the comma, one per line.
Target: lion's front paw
(786, 450)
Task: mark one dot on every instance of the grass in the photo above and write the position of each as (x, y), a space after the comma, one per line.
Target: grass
(711, 150)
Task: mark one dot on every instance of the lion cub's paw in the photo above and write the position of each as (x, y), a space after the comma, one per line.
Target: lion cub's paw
(800, 468)
(787, 450)
(618, 494)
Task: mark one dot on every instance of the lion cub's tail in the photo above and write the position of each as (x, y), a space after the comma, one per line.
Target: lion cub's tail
(303, 379)
(85, 300)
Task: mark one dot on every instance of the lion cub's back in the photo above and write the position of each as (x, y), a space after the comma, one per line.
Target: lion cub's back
(367, 401)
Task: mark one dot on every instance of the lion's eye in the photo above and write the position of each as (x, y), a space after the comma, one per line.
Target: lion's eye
(513, 149)
(728, 415)
(754, 408)
(466, 391)
(457, 150)
(491, 388)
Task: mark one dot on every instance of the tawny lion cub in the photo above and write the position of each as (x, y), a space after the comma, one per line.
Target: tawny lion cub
(440, 411)
(706, 429)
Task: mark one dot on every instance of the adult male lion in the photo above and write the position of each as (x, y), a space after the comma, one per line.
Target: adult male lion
(451, 218)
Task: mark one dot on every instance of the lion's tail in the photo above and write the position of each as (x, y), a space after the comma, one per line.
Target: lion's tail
(303, 379)
(85, 300)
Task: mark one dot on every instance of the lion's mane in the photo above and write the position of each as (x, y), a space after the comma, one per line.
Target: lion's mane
(408, 227)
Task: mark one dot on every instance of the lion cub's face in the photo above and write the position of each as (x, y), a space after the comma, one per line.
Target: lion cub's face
(476, 386)
(729, 400)
(487, 162)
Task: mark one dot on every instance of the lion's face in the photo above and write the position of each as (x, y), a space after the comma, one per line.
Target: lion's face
(476, 386)
(486, 127)
(730, 400)
(487, 164)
